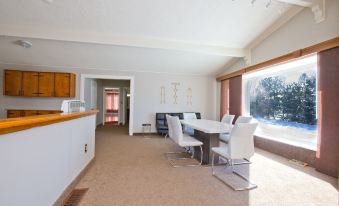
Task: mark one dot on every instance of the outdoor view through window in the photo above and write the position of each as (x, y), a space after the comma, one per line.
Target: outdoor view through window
(283, 100)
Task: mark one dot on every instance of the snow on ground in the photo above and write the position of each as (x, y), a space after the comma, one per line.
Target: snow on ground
(297, 134)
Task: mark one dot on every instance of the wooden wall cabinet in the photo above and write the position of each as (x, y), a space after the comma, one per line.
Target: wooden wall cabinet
(12, 82)
(46, 84)
(39, 84)
(30, 84)
(13, 113)
(64, 85)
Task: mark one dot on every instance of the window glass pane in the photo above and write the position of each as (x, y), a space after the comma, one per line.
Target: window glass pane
(283, 100)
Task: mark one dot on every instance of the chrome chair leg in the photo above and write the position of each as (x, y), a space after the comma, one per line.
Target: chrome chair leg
(213, 163)
(183, 158)
(201, 154)
(231, 163)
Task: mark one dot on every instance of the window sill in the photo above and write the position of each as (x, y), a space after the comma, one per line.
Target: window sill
(305, 145)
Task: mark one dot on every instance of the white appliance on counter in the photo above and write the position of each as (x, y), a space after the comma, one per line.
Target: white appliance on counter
(69, 106)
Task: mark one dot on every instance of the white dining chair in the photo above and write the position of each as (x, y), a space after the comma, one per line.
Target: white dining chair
(186, 116)
(243, 119)
(182, 140)
(227, 119)
(239, 147)
(224, 137)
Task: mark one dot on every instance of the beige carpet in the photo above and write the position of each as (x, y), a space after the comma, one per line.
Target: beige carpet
(134, 171)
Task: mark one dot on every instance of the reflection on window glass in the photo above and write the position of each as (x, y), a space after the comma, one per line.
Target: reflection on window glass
(283, 100)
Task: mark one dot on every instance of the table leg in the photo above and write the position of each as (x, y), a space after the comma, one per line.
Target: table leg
(209, 141)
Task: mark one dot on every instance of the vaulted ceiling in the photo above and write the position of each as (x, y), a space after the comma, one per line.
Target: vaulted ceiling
(178, 36)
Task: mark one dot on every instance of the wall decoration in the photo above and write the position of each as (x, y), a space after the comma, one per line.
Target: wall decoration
(175, 90)
(162, 95)
(189, 96)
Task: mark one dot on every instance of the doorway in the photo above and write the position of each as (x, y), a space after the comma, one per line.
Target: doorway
(128, 103)
(111, 101)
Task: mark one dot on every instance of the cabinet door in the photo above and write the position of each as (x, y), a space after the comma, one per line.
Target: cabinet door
(62, 84)
(12, 85)
(46, 84)
(13, 113)
(55, 111)
(30, 113)
(30, 84)
(43, 112)
(72, 85)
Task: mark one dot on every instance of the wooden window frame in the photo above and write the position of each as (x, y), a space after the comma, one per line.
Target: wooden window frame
(329, 44)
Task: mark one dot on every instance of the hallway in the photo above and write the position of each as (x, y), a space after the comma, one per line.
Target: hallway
(132, 170)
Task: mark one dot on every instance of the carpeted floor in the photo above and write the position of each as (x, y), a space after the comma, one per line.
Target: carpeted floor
(134, 171)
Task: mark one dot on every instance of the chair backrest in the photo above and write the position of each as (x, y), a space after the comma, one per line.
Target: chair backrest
(243, 119)
(169, 125)
(241, 143)
(174, 128)
(227, 119)
(189, 115)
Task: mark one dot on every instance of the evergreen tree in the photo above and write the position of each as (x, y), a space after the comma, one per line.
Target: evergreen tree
(296, 101)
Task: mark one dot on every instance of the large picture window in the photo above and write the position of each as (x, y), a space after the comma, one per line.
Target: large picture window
(283, 100)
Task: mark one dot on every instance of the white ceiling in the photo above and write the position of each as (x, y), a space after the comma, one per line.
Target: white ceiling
(97, 56)
(186, 36)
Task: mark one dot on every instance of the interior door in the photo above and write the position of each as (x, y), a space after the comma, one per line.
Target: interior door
(62, 84)
(30, 84)
(46, 84)
(12, 86)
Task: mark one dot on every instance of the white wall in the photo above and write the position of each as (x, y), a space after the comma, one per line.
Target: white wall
(147, 94)
(94, 94)
(90, 93)
(39, 163)
(301, 31)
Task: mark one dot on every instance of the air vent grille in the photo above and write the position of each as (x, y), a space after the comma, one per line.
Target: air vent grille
(75, 197)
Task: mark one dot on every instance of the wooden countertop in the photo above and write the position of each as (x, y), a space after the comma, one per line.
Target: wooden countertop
(23, 123)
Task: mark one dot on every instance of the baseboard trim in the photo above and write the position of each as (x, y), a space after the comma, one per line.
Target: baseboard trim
(147, 133)
(70, 187)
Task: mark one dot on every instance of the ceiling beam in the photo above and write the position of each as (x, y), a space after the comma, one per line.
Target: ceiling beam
(108, 39)
(317, 7)
(303, 3)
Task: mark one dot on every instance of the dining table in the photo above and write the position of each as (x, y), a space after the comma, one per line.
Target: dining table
(207, 131)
